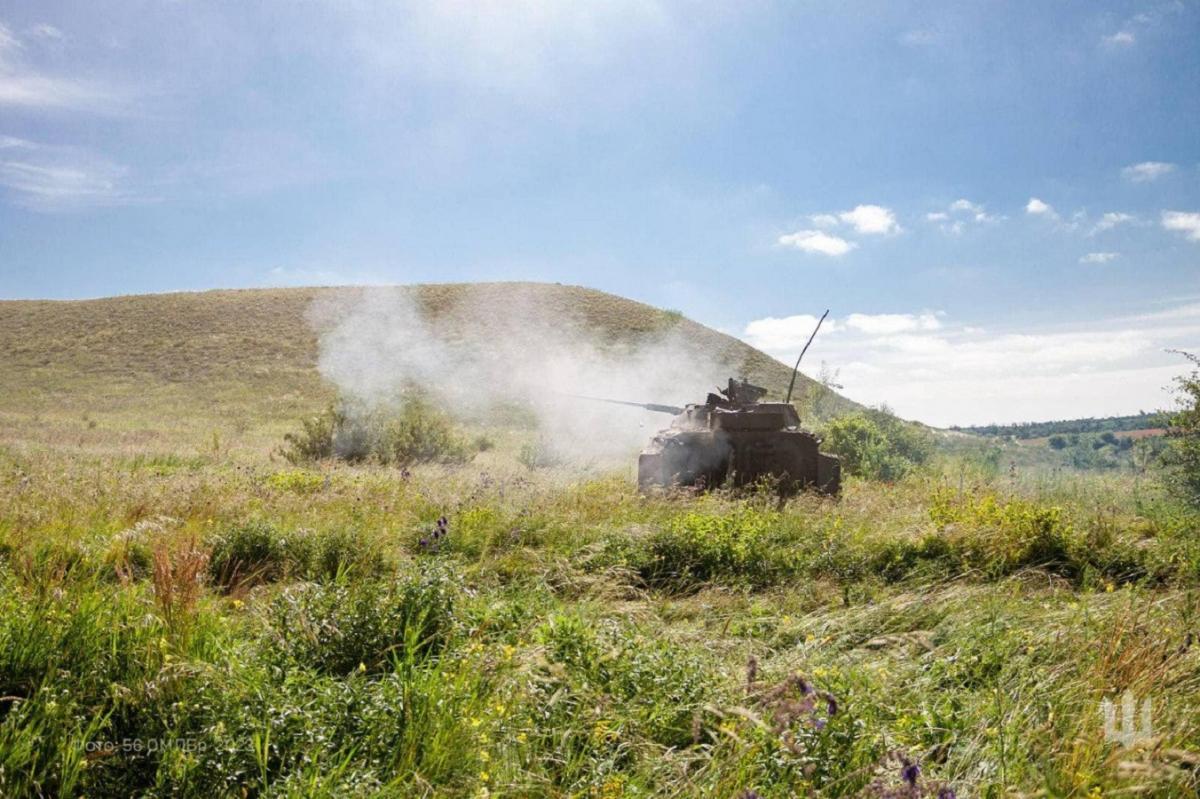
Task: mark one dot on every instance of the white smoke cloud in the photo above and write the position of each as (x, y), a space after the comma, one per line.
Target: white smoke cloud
(501, 345)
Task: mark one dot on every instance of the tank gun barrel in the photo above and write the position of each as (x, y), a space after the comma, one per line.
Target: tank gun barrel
(650, 406)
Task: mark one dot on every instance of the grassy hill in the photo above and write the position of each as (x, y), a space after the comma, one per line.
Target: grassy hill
(128, 371)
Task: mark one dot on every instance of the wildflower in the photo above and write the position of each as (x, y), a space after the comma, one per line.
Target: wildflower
(910, 773)
(831, 705)
(484, 776)
(475, 722)
(946, 793)
(237, 604)
(485, 755)
(520, 737)
(362, 667)
(1108, 588)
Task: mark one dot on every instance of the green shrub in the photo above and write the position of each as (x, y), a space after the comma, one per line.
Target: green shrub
(539, 454)
(415, 433)
(421, 433)
(1001, 537)
(695, 548)
(1182, 456)
(643, 681)
(297, 481)
(876, 445)
(343, 627)
(343, 553)
(257, 552)
(314, 442)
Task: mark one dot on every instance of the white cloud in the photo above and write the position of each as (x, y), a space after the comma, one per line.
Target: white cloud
(960, 213)
(46, 32)
(1119, 39)
(871, 220)
(824, 220)
(817, 241)
(1186, 222)
(1039, 208)
(1147, 171)
(886, 323)
(45, 178)
(786, 334)
(929, 369)
(1110, 220)
(1099, 257)
(24, 86)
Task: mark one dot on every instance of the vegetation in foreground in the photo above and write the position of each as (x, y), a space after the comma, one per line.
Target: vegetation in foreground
(193, 626)
(185, 613)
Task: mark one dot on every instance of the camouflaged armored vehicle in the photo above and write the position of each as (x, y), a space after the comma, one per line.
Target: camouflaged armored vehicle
(735, 438)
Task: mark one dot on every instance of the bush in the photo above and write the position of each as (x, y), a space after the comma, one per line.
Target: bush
(696, 548)
(342, 627)
(642, 681)
(1001, 537)
(314, 442)
(421, 434)
(416, 433)
(257, 552)
(876, 445)
(1182, 456)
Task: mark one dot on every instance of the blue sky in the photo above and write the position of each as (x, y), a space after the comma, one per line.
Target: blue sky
(1000, 202)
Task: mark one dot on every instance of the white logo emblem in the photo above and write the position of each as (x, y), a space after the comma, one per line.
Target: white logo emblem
(1127, 734)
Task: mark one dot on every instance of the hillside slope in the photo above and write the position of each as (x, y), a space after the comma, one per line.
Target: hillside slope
(156, 365)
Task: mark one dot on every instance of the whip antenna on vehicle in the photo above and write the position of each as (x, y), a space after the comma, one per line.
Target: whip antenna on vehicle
(796, 368)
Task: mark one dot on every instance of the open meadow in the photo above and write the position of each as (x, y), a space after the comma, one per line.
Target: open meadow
(184, 612)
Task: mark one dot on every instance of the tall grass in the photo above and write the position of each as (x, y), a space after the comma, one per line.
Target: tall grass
(218, 631)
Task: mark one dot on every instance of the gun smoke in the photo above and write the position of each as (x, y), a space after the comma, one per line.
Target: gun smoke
(500, 346)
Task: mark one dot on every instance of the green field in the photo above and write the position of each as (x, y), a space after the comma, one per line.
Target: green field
(185, 613)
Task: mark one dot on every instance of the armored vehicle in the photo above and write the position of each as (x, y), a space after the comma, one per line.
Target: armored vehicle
(733, 437)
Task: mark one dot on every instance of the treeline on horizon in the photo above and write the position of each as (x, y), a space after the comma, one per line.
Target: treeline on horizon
(1141, 421)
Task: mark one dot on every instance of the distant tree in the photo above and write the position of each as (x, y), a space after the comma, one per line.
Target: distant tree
(1058, 442)
(1182, 457)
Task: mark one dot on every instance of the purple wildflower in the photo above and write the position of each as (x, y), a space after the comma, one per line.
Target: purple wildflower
(910, 773)
(947, 793)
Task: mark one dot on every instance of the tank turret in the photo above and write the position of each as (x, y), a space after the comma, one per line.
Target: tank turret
(733, 437)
